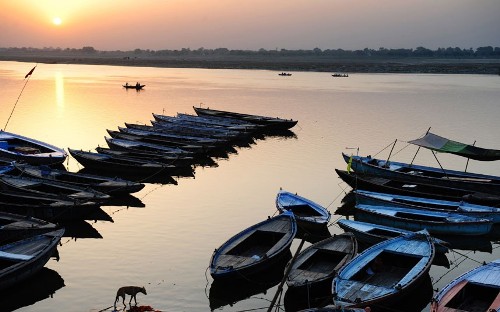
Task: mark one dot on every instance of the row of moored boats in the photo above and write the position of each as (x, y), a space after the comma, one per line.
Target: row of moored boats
(38, 195)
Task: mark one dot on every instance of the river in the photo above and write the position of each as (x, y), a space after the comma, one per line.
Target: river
(166, 244)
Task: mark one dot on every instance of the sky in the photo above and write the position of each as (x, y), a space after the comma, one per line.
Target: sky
(249, 24)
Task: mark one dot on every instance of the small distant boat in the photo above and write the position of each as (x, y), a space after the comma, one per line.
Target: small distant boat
(371, 233)
(108, 185)
(436, 222)
(306, 212)
(340, 75)
(19, 226)
(255, 248)
(475, 290)
(20, 148)
(284, 74)
(271, 123)
(316, 265)
(136, 86)
(23, 258)
(384, 272)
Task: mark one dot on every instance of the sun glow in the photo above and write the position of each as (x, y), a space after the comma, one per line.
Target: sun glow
(57, 21)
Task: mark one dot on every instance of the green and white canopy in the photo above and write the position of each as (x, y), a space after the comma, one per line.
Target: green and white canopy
(439, 144)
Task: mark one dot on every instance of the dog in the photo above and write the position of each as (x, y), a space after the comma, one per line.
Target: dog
(129, 290)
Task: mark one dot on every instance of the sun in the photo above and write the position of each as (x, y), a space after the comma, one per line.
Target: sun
(57, 21)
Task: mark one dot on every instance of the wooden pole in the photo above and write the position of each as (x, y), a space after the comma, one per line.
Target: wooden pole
(418, 149)
(288, 268)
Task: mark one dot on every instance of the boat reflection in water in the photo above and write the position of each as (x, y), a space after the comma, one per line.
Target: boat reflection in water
(229, 292)
(80, 229)
(41, 286)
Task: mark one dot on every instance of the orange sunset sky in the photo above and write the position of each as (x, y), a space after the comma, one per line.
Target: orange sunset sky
(249, 24)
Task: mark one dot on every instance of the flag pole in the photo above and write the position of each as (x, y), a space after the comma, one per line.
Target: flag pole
(28, 75)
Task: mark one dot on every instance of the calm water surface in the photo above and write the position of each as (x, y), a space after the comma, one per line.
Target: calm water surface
(166, 245)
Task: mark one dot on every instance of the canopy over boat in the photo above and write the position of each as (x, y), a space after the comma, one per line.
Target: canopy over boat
(439, 144)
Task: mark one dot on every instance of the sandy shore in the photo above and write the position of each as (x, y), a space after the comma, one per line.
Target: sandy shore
(396, 65)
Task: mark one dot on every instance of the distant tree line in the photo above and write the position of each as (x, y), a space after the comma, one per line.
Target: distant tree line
(480, 52)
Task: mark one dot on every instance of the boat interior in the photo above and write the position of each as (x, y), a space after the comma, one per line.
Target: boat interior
(387, 269)
(323, 261)
(256, 244)
(474, 297)
(303, 211)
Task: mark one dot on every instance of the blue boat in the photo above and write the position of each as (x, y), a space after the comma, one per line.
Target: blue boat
(475, 290)
(474, 182)
(436, 222)
(384, 271)
(307, 213)
(254, 248)
(20, 148)
(394, 200)
(371, 233)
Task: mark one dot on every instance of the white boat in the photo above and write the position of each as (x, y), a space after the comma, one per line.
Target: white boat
(20, 148)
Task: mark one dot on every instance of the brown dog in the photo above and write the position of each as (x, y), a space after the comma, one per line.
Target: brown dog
(129, 290)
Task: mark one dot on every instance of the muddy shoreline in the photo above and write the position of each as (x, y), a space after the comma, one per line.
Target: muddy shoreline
(396, 65)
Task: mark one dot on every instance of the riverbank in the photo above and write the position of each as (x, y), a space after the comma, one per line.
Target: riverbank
(318, 64)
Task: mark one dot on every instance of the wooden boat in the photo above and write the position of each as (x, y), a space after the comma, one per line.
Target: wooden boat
(436, 222)
(475, 290)
(151, 139)
(161, 138)
(222, 138)
(19, 226)
(384, 271)
(307, 213)
(180, 138)
(229, 123)
(117, 164)
(271, 123)
(409, 173)
(46, 207)
(45, 187)
(23, 258)
(203, 128)
(394, 200)
(20, 148)
(174, 160)
(114, 186)
(255, 248)
(316, 265)
(387, 185)
(371, 233)
(284, 74)
(136, 86)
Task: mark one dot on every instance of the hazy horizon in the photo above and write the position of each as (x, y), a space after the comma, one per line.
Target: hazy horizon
(250, 25)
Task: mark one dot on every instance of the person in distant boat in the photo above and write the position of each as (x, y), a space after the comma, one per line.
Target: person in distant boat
(137, 84)
(126, 84)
